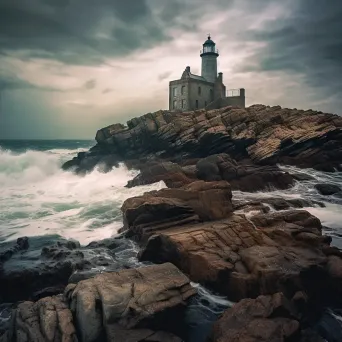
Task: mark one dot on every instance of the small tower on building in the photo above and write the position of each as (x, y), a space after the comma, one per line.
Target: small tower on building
(209, 56)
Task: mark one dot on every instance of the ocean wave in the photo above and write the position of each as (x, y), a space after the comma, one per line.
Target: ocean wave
(39, 198)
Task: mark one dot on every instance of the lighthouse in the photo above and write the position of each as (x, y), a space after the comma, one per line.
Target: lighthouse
(192, 92)
(209, 56)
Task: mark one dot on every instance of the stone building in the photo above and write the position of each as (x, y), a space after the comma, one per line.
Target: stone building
(192, 92)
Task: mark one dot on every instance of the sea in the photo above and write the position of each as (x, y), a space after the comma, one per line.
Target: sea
(38, 198)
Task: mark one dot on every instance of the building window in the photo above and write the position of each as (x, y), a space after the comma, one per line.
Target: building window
(199, 90)
(196, 103)
(174, 104)
(183, 104)
(183, 90)
(174, 91)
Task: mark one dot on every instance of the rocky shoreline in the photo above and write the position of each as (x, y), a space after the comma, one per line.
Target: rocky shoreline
(268, 255)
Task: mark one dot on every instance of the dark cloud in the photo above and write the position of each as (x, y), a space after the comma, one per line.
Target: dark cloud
(82, 31)
(9, 83)
(107, 90)
(91, 84)
(164, 75)
(306, 42)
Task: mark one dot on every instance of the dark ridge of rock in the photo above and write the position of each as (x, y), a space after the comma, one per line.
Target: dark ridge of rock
(246, 177)
(328, 189)
(173, 175)
(131, 305)
(266, 135)
(158, 210)
(278, 203)
(21, 245)
(266, 318)
(44, 270)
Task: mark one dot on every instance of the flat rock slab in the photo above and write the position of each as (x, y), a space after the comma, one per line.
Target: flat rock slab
(111, 303)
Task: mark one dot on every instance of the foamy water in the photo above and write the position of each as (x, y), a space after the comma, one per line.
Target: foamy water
(39, 198)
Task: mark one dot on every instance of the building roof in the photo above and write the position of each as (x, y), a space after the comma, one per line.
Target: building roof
(196, 77)
(209, 41)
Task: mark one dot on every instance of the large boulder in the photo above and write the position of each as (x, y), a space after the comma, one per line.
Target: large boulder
(266, 318)
(130, 305)
(157, 210)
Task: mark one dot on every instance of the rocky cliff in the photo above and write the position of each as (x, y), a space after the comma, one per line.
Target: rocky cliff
(262, 134)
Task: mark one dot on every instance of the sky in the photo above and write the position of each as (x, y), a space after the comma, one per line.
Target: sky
(70, 67)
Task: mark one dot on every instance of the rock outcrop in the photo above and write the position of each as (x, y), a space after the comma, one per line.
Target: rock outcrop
(246, 177)
(266, 135)
(130, 305)
(237, 256)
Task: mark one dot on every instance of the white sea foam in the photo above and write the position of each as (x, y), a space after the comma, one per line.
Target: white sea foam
(38, 197)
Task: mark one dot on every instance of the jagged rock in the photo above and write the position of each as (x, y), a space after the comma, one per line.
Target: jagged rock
(170, 173)
(267, 135)
(328, 189)
(21, 245)
(157, 210)
(242, 177)
(130, 305)
(48, 320)
(266, 318)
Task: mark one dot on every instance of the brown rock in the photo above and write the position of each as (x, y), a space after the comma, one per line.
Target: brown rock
(266, 135)
(238, 260)
(266, 318)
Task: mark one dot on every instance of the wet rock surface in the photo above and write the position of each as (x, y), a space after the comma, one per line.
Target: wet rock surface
(44, 268)
(328, 189)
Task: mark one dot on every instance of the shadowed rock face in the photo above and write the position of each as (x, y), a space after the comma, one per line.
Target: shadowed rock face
(266, 135)
(266, 318)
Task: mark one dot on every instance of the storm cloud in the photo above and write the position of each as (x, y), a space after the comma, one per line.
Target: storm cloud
(307, 41)
(76, 65)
